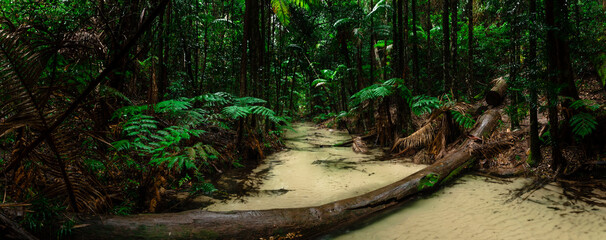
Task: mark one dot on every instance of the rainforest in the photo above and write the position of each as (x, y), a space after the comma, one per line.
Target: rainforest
(302, 119)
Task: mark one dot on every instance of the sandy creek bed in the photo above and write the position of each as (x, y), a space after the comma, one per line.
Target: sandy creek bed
(473, 207)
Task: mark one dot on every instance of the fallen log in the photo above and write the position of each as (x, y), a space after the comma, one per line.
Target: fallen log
(351, 141)
(496, 95)
(17, 231)
(306, 222)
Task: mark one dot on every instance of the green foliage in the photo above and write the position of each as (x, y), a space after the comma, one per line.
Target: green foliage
(424, 104)
(47, 217)
(428, 181)
(583, 124)
(236, 112)
(465, 120)
(585, 104)
(377, 91)
(282, 8)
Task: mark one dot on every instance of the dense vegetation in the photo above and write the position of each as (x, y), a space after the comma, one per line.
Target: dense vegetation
(106, 104)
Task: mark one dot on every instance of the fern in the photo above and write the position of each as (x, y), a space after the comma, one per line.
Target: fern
(424, 104)
(172, 106)
(236, 112)
(463, 119)
(372, 92)
(214, 99)
(243, 101)
(583, 124)
(128, 111)
(585, 103)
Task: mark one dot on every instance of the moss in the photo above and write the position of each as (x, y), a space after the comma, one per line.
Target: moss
(458, 170)
(428, 181)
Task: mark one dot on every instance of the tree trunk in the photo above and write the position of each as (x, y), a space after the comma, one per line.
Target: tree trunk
(307, 221)
(469, 47)
(371, 49)
(415, 46)
(445, 46)
(454, 12)
(428, 61)
(559, 68)
(535, 144)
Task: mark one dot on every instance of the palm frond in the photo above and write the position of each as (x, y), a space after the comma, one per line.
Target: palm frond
(421, 137)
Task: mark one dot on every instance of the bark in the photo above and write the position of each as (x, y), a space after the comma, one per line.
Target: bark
(469, 47)
(496, 95)
(535, 145)
(415, 46)
(445, 46)
(454, 11)
(428, 61)
(307, 221)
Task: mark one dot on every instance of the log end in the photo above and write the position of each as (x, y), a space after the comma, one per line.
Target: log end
(493, 98)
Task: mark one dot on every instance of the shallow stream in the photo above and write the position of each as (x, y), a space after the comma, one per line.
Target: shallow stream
(473, 207)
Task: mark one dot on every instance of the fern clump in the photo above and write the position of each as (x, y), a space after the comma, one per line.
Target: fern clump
(584, 123)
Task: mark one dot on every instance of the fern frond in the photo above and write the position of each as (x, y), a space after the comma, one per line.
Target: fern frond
(243, 101)
(583, 124)
(424, 104)
(172, 106)
(463, 119)
(214, 99)
(585, 103)
(236, 112)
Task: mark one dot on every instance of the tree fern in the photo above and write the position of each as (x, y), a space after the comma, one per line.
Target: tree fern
(236, 112)
(583, 124)
(243, 101)
(214, 99)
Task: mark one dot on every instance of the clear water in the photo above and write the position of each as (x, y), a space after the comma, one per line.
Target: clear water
(481, 208)
(308, 175)
(473, 207)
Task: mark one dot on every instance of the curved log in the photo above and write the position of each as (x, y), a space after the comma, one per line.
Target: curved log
(307, 221)
(496, 95)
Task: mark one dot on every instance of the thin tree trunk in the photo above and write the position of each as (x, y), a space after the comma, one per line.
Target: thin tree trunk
(371, 51)
(429, 62)
(415, 46)
(445, 46)
(470, 41)
(245, 38)
(454, 12)
(535, 144)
